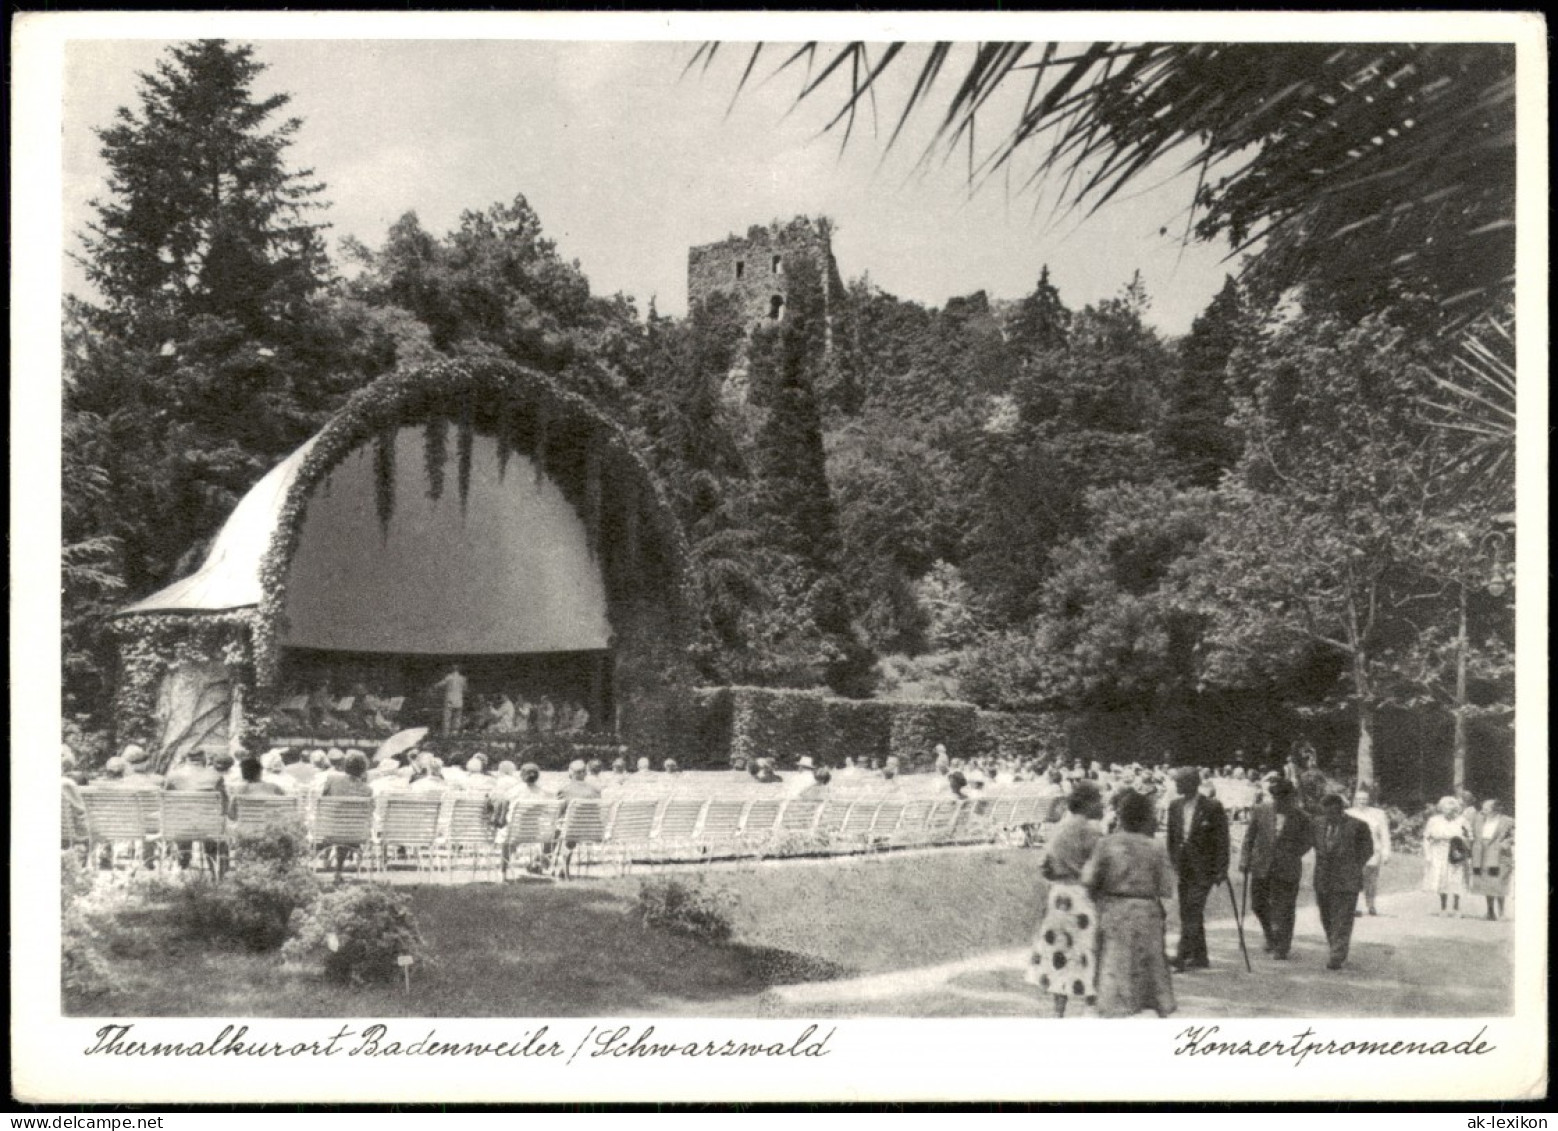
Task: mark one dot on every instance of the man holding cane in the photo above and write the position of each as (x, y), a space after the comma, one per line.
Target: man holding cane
(1198, 847)
(1272, 861)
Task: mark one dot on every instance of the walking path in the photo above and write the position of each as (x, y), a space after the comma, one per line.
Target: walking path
(1405, 962)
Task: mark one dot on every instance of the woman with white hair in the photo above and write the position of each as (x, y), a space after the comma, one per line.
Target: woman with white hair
(275, 772)
(1445, 852)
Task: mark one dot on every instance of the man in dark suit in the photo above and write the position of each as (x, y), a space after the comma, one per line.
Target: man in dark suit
(1273, 855)
(1343, 845)
(1198, 846)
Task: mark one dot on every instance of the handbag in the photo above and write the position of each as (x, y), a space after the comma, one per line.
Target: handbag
(1459, 852)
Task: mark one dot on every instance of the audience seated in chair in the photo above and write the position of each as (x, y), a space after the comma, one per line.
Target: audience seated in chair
(253, 784)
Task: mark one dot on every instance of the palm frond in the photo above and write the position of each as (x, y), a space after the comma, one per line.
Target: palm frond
(1364, 167)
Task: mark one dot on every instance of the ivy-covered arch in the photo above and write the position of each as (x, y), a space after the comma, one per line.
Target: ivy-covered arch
(631, 529)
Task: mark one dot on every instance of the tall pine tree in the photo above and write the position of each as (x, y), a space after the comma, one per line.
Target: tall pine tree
(210, 347)
(1041, 321)
(1195, 434)
(204, 215)
(795, 503)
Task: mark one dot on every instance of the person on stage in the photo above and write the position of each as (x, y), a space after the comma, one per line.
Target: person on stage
(1198, 848)
(500, 714)
(1279, 835)
(453, 686)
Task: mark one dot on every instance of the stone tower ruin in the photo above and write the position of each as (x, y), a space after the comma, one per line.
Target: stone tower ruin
(753, 267)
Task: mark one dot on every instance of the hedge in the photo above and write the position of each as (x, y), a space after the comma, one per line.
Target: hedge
(1002, 734)
(712, 712)
(761, 722)
(771, 723)
(861, 729)
(918, 727)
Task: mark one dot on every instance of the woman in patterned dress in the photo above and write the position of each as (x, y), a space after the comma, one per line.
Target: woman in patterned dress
(1065, 948)
(1129, 876)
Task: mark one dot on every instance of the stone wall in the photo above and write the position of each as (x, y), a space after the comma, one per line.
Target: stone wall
(752, 267)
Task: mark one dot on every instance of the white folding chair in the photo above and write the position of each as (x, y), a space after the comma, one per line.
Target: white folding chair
(678, 823)
(193, 822)
(409, 822)
(721, 827)
(531, 825)
(343, 824)
(584, 825)
(632, 826)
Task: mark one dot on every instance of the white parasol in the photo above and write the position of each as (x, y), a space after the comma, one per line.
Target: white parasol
(396, 743)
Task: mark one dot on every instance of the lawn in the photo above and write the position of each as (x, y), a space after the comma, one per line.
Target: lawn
(533, 948)
(537, 949)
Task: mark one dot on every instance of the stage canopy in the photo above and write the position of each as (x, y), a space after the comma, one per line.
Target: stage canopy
(507, 570)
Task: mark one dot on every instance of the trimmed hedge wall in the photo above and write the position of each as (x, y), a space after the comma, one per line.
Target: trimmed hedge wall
(779, 724)
(917, 727)
(713, 710)
(1002, 734)
(861, 729)
(762, 722)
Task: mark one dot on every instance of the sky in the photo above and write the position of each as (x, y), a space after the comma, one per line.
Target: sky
(629, 162)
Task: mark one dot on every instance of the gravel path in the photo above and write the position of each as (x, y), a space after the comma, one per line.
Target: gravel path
(1406, 962)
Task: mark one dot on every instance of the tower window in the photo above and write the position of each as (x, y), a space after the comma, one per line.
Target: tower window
(776, 306)
(741, 268)
(778, 265)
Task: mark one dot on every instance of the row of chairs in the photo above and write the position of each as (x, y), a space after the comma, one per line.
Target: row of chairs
(689, 829)
(136, 828)
(442, 832)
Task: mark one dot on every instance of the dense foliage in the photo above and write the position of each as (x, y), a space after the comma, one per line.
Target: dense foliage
(1260, 533)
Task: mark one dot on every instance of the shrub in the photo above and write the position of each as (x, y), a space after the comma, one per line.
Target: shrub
(84, 971)
(271, 877)
(929, 677)
(359, 932)
(814, 843)
(281, 845)
(687, 909)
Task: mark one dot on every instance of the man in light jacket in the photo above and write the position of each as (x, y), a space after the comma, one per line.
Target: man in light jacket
(1379, 829)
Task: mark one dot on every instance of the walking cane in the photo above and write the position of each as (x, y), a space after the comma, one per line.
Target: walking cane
(1238, 921)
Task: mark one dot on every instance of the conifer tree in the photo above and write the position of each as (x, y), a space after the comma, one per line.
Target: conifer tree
(1041, 321)
(1195, 433)
(204, 216)
(207, 349)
